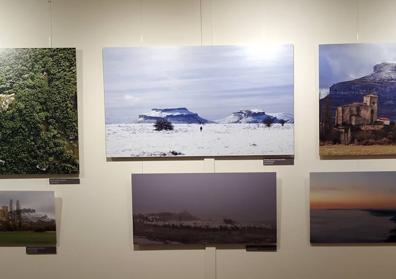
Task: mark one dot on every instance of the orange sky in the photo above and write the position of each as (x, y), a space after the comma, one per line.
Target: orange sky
(352, 190)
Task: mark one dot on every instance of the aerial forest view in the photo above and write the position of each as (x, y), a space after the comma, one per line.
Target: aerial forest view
(38, 111)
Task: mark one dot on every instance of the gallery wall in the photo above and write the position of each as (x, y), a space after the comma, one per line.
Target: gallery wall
(94, 218)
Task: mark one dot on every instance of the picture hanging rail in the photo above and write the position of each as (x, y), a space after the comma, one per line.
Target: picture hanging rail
(205, 209)
(38, 112)
(199, 101)
(357, 100)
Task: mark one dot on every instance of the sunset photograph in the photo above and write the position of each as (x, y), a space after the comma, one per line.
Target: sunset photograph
(353, 207)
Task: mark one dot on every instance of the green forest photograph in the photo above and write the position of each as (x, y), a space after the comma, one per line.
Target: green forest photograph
(38, 112)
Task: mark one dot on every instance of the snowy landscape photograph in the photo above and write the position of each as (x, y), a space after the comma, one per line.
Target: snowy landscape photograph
(204, 208)
(357, 100)
(353, 207)
(199, 101)
(27, 218)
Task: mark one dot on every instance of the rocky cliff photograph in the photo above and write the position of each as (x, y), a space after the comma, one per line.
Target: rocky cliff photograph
(204, 208)
(199, 101)
(357, 100)
(38, 112)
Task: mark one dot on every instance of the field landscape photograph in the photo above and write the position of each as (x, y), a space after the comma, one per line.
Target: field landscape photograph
(357, 100)
(27, 218)
(203, 208)
(38, 112)
(353, 207)
(199, 101)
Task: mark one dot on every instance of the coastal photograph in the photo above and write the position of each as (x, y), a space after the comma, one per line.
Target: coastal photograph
(27, 218)
(198, 101)
(357, 100)
(204, 208)
(38, 112)
(353, 207)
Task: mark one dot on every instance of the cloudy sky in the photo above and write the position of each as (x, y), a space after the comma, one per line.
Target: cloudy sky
(353, 190)
(41, 201)
(342, 62)
(213, 81)
(240, 196)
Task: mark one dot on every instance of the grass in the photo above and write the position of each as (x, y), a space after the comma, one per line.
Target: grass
(27, 238)
(357, 150)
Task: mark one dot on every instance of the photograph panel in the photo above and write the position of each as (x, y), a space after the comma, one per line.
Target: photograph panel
(199, 101)
(27, 218)
(357, 101)
(38, 112)
(204, 208)
(353, 207)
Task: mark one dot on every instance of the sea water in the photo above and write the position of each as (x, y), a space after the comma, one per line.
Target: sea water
(349, 226)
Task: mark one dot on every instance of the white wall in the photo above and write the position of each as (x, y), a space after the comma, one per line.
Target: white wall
(94, 217)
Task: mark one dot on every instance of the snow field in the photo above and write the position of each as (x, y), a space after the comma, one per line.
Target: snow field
(141, 140)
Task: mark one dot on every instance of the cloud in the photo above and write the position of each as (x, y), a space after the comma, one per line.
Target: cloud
(132, 98)
(41, 201)
(342, 62)
(205, 77)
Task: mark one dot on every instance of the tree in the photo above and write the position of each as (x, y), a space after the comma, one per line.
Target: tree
(163, 124)
(268, 121)
(282, 122)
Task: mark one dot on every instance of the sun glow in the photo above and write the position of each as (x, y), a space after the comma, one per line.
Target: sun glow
(263, 52)
(354, 199)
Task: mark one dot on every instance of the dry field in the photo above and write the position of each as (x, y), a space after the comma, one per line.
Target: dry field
(357, 150)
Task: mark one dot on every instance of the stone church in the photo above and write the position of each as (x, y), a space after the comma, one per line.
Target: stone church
(355, 114)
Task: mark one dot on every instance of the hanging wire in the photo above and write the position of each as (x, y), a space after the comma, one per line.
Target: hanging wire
(141, 20)
(200, 16)
(50, 22)
(211, 23)
(357, 20)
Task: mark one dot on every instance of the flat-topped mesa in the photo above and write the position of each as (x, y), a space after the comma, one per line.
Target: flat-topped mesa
(171, 216)
(174, 115)
(167, 111)
(256, 116)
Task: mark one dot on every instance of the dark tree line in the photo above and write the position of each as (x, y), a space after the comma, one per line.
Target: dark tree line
(269, 121)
